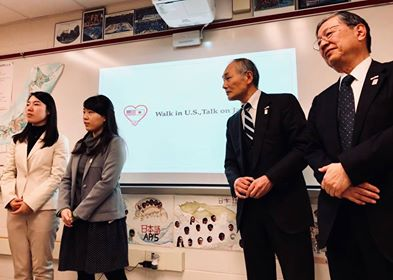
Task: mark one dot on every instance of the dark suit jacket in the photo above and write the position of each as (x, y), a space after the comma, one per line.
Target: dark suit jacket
(275, 154)
(369, 160)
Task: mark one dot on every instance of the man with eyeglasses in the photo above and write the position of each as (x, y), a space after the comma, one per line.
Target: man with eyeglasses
(350, 129)
(263, 165)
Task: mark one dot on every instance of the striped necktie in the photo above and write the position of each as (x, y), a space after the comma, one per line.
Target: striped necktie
(248, 126)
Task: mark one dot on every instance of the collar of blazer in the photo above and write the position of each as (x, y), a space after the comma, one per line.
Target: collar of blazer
(261, 124)
(38, 145)
(74, 166)
(371, 87)
(369, 91)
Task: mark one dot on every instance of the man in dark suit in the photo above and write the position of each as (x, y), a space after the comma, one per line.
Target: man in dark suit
(263, 165)
(350, 127)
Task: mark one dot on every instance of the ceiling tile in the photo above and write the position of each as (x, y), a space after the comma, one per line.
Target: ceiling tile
(38, 8)
(7, 15)
(88, 4)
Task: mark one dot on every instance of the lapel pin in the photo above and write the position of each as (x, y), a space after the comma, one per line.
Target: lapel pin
(266, 110)
(374, 80)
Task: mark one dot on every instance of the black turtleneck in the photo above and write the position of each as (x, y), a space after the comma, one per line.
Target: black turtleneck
(34, 133)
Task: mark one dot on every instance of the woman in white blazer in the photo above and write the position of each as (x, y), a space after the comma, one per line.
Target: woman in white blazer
(32, 173)
(90, 202)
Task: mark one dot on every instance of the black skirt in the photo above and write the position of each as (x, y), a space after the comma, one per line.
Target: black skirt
(94, 247)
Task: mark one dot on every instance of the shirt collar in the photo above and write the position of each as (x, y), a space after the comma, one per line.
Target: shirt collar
(254, 99)
(360, 71)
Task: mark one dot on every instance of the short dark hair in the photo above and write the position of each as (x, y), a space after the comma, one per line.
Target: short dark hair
(103, 106)
(244, 65)
(351, 20)
(51, 131)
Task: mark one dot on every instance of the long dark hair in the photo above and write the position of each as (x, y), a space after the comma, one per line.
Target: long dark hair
(103, 106)
(51, 131)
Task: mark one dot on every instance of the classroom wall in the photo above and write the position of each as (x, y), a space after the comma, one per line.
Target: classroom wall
(199, 263)
(80, 78)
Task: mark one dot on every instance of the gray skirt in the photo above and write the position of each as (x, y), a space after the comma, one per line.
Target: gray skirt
(94, 247)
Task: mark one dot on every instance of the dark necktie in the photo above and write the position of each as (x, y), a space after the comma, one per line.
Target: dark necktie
(248, 124)
(346, 112)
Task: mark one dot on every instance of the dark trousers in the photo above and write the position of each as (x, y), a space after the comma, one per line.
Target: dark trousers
(112, 275)
(351, 250)
(262, 240)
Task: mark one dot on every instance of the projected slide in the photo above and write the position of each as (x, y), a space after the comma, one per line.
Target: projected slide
(173, 114)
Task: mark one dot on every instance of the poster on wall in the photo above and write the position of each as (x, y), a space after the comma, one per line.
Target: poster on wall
(150, 219)
(93, 25)
(319, 254)
(119, 25)
(6, 78)
(67, 33)
(206, 222)
(269, 7)
(304, 4)
(147, 20)
(42, 78)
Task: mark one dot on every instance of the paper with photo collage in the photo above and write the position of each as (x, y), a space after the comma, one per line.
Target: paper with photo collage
(150, 219)
(207, 222)
(319, 254)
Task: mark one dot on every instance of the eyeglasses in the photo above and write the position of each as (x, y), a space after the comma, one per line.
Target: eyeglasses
(329, 33)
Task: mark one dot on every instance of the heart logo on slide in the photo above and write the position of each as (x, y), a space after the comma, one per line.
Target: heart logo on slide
(135, 113)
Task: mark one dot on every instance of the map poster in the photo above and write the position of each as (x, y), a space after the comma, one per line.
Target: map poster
(42, 78)
(6, 78)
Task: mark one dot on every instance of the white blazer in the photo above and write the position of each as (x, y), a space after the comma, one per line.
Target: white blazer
(34, 177)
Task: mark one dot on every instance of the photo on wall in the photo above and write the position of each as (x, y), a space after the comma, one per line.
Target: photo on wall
(67, 33)
(119, 25)
(93, 25)
(269, 7)
(304, 4)
(147, 20)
